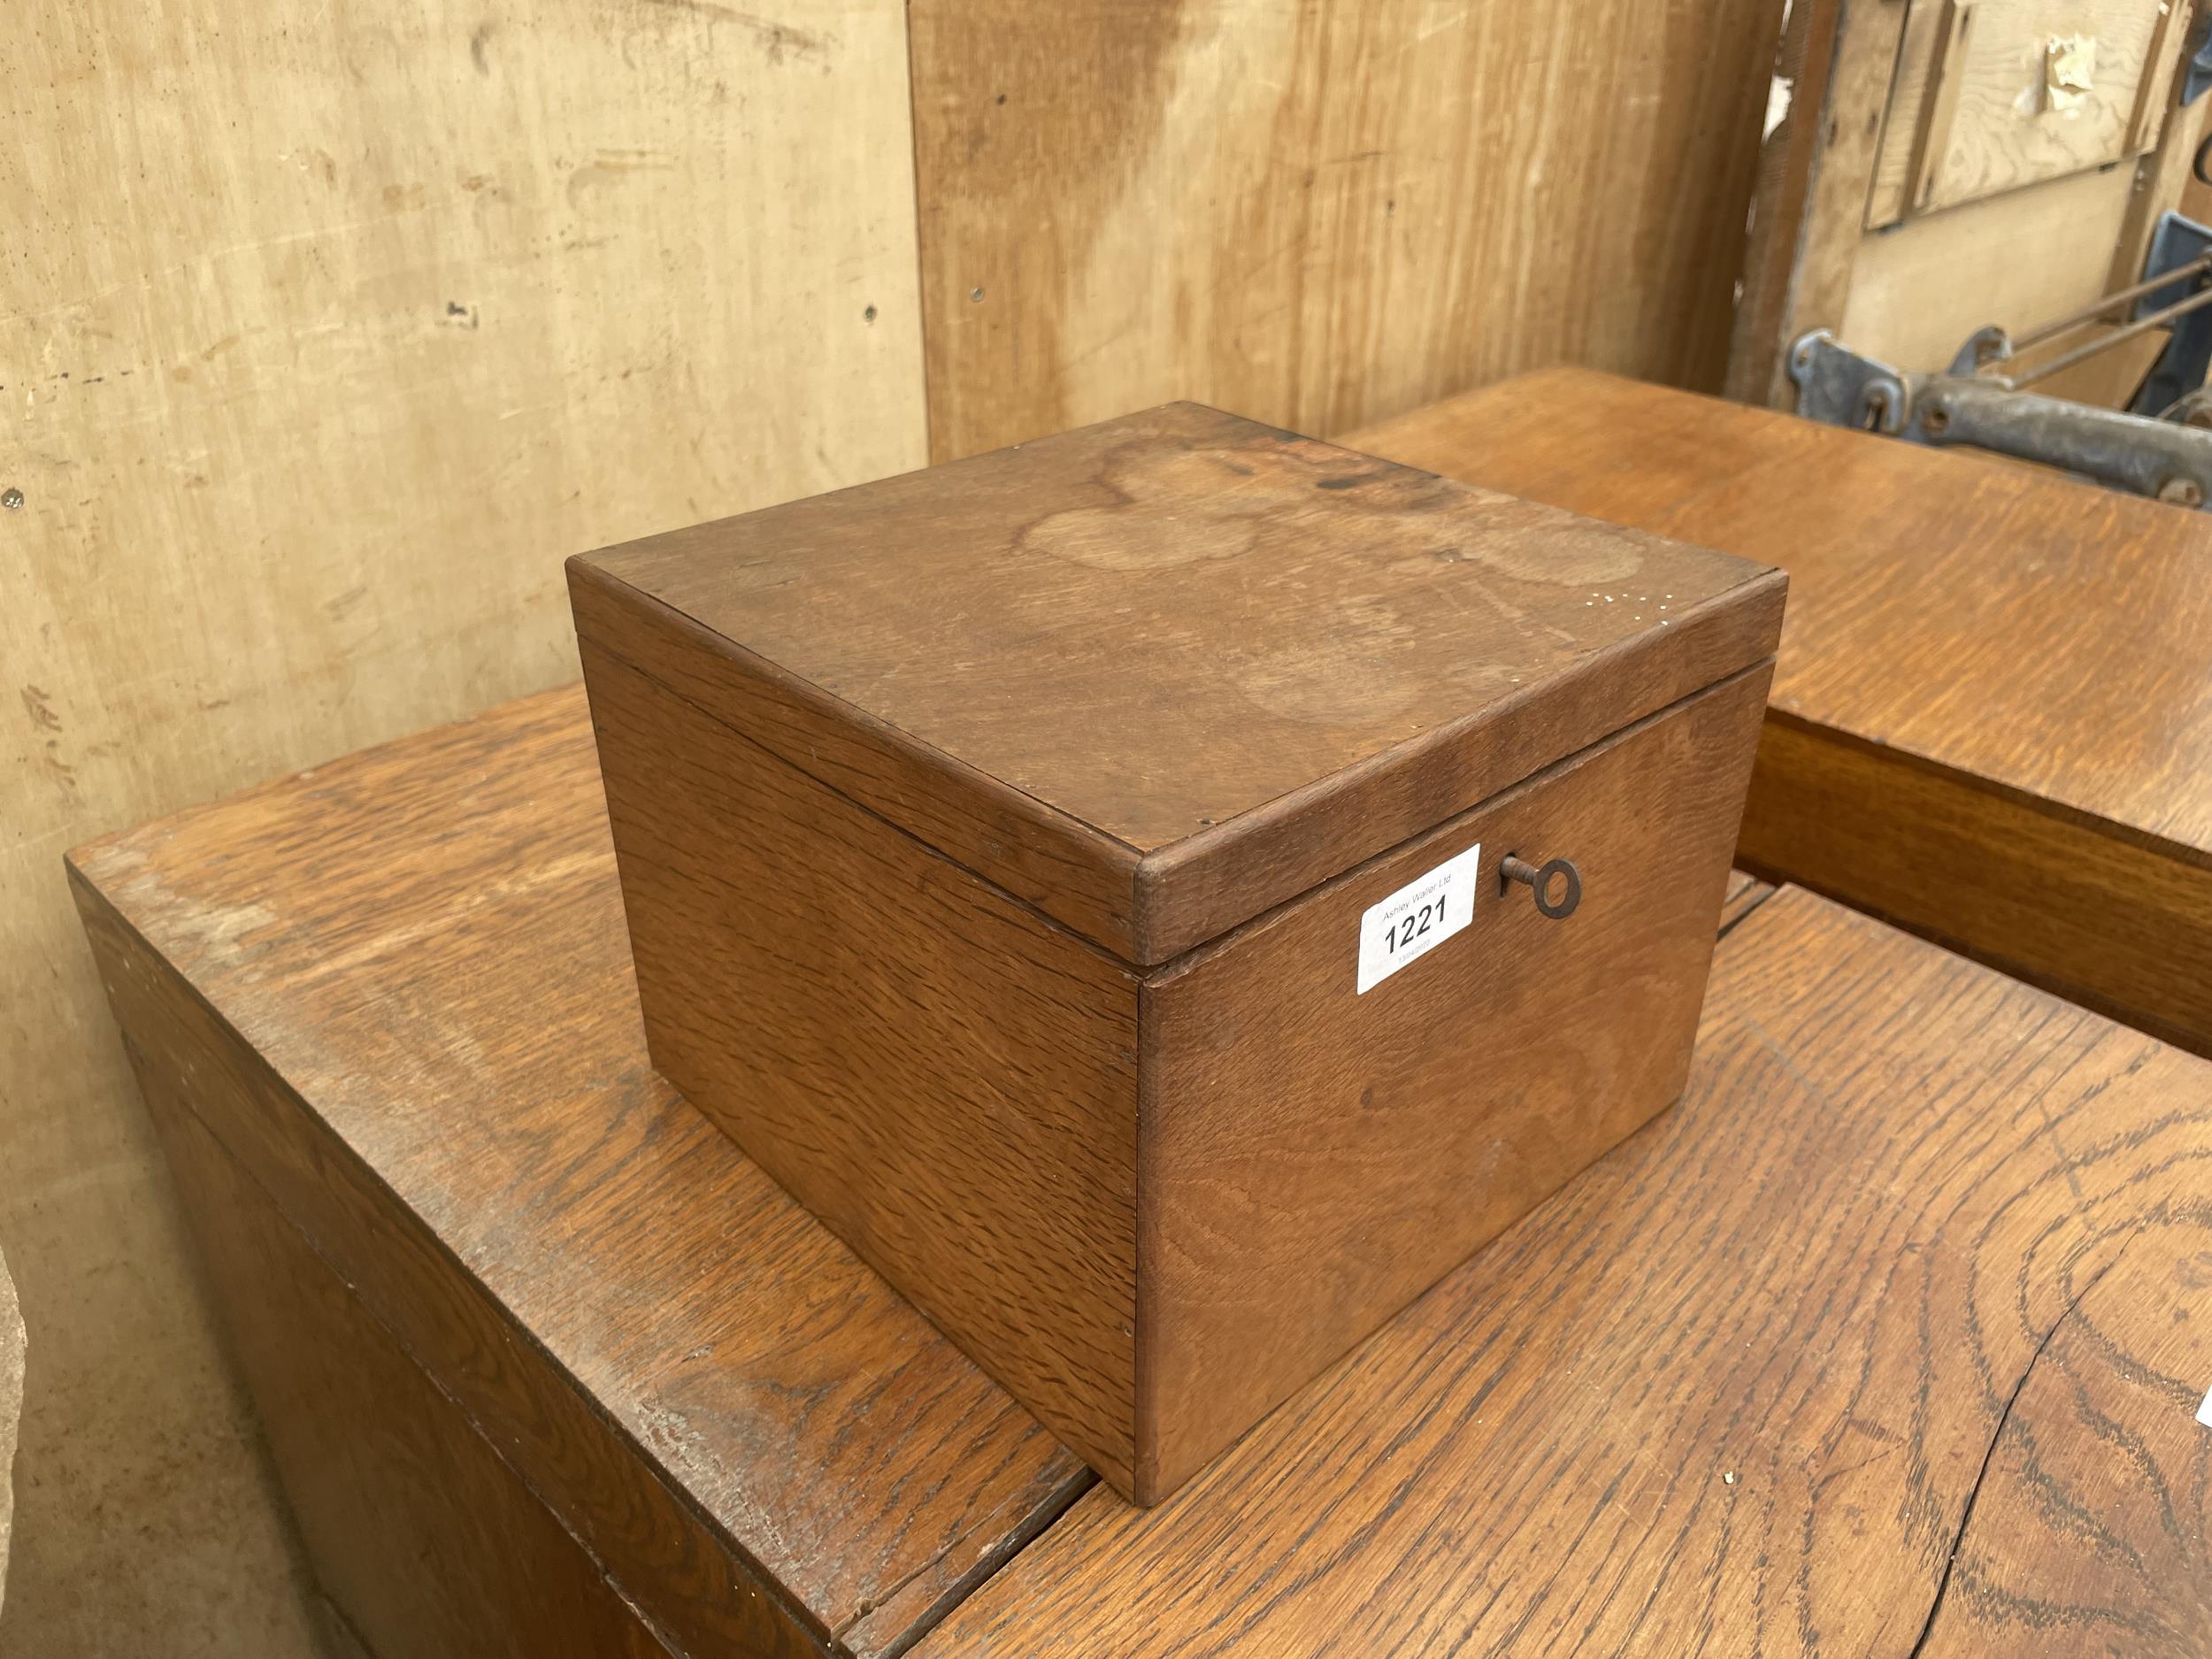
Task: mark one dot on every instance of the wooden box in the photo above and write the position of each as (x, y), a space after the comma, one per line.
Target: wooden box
(1077, 873)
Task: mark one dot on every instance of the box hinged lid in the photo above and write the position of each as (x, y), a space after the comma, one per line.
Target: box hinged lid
(1158, 675)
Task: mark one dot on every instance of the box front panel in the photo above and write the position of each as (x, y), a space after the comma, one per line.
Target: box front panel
(1314, 1154)
(945, 1078)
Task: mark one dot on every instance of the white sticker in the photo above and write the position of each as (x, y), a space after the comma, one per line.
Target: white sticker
(2204, 1411)
(1417, 918)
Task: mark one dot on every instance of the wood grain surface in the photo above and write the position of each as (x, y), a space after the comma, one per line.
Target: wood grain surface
(1812, 187)
(1992, 715)
(398, 992)
(944, 1078)
(1214, 660)
(1885, 1342)
(1865, 94)
(325, 333)
(1320, 214)
(2084, 908)
(383, 1473)
(1314, 1156)
(1745, 893)
(1969, 114)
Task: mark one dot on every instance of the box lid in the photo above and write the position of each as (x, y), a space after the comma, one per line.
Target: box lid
(1157, 675)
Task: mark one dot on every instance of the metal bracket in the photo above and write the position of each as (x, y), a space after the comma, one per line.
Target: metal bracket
(2165, 459)
(1837, 386)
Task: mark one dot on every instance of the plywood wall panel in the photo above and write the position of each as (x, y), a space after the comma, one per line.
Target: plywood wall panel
(325, 335)
(1322, 214)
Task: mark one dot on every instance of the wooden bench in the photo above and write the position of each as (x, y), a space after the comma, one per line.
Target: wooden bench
(1992, 715)
(1893, 1328)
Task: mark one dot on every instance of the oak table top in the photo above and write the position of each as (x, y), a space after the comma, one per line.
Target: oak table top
(397, 991)
(1991, 710)
(1886, 1341)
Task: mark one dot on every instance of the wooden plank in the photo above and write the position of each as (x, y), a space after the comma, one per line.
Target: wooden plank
(1797, 275)
(2156, 88)
(1315, 1157)
(1321, 214)
(412, 1549)
(1929, 28)
(1971, 115)
(398, 990)
(1775, 1368)
(2018, 123)
(2102, 919)
(1781, 197)
(1932, 144)
(323, 334)
(2022, 773)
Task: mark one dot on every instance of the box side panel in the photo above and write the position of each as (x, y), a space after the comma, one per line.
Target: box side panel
(428, 1542)
(946, 1079)
(2105, 921)
(1314, 1157)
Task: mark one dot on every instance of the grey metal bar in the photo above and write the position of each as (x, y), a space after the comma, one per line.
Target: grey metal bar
(2143, 325)
(2152, 457)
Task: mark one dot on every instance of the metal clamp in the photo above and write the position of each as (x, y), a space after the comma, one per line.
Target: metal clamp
(1514, 868)
(2162, 458)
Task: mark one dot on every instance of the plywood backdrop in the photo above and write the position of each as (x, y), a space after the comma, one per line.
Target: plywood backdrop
(1320, 214)
(2034, 212)
(326, 332)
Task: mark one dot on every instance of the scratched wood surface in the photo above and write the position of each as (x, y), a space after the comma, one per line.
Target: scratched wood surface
(946, 1080)
(1158, 674)
(1886, 1341)
(325, 333)
(1992, 715)
(1227, 669)
(1321, 214)
(335, 1394)
(397, 990)
(1315, 1157)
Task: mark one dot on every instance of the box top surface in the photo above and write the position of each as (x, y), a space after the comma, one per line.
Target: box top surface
(1175, 631)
